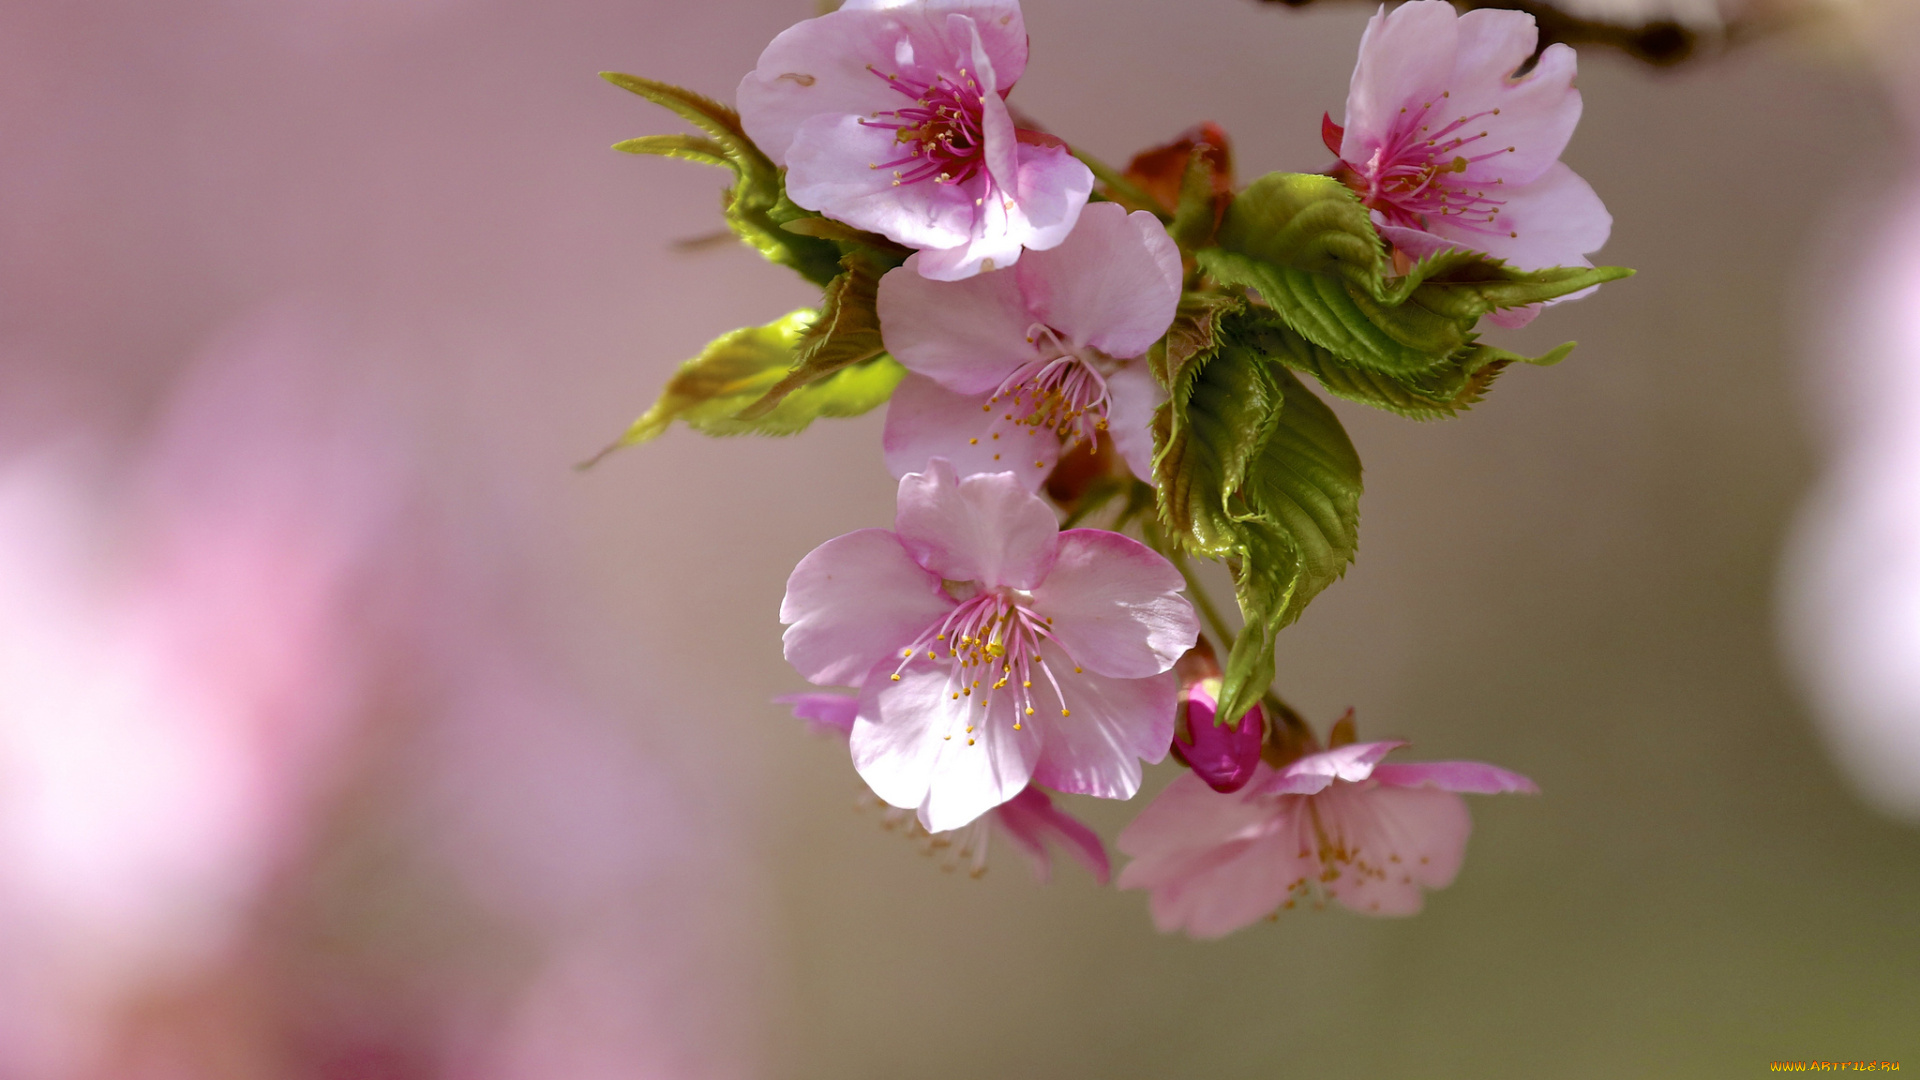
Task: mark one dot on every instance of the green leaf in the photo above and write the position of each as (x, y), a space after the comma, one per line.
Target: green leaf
(1195, 333)
(1299, 515)
(1215, 420)
(757, 205)
(1199, 211)
(1252, 468)
(738, 368)
(686, 147)
(846, 333)
(1305, 222)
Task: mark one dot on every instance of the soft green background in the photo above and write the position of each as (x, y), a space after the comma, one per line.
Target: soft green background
(1575, 580)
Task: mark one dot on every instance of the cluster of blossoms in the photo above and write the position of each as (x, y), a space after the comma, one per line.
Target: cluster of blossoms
(1062, 343)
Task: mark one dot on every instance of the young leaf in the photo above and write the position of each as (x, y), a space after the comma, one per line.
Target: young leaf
(757, 206)
(1305, 222)
(738, 368)
(846, 333)
(1298, 512)
(1195, 333)
(1212, 425)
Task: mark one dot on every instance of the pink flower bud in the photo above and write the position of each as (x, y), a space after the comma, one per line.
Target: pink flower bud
(1221, 754)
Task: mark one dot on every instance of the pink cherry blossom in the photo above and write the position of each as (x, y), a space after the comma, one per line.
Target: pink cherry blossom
(1009, 369)
(1450, 149)
(1029, 820)
(1337, 825)
(890, 115)
(991, 649)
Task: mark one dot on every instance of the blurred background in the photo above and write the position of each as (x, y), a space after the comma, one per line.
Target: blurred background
(346, 732)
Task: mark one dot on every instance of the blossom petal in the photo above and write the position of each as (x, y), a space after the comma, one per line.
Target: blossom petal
(913, 747)
(1399, 841)
(1031, 820)
(1112, 284)
(854, 601)
(821, 66)
(999, 228)
(925, 420)
(968, 335)
(1133, 396)
(831, 168)
(1113, 724)
(1052, 193)
(987, 528)
(1114, 605)
(1472, 776)
(1406, 59)
(1555, 221)
(825, 714)
(1353, 763)
(1537, 113)
(1214, 863)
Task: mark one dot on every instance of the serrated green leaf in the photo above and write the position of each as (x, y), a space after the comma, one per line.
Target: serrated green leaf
(736, 370)
(1199, 211)
(1212, 425)
(1331, 312)
(1305, 222)
(846, 333)
(685, 147)
(756, 207)
(1195, 332)
(1298, 512)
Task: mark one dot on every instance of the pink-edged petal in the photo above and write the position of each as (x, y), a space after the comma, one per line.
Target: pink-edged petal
(825, 714)
(830, 169)
(912, 746)
(1398, 841)
(1186, 817)
(1555, 221)
(1051, 194)
(1537, 113)
(967, 335)
(1406, 58)
(1476, 777)
(1114, 605)
(816, 67)
(1113, 725)
(1112, 284)
(1353, 763)
(1002, 29)
(986, 528)
(925, 421)
(821, 66)
(854, 601)
(1214, 863)
(1032, 821)
(1133, 395)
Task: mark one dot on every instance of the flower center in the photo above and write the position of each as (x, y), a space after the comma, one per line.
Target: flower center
(1420, 172)
(991, 642)
(941, 131)
(1064, 392)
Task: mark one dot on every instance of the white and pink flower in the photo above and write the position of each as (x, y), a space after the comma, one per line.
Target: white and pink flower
(1029, 820)
(1450, 148)
(1010, 369)
(890, 115)
(1335, 825)
(990, 648)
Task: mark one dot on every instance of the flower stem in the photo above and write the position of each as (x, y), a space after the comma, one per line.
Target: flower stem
(1202, 601)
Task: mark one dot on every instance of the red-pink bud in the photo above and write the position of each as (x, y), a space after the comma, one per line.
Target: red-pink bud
(1223, 755)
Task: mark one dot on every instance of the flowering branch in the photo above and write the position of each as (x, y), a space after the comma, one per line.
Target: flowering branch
(1051, 335)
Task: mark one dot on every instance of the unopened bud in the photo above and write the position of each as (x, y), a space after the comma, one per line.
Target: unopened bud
(1224, 755)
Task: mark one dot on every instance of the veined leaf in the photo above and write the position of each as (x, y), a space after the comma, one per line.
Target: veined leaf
(1298, 512)
(738, 368)
(846, 333)
(1195, 333)
(757, 205)
(1214, 422)
(1305, 222)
